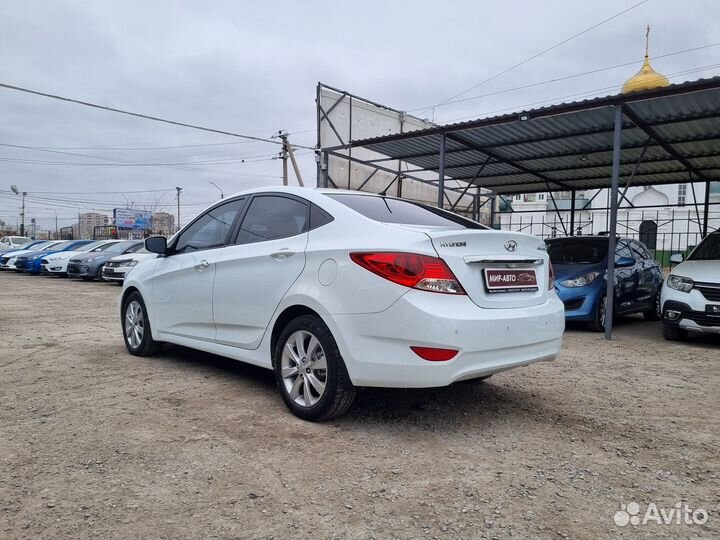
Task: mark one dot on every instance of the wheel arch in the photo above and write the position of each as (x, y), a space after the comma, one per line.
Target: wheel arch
(287, 315)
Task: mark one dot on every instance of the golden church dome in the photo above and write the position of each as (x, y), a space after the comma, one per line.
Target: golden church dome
(647, 77)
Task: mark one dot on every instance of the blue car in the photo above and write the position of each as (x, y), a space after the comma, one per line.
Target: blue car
(581, 263)
(29, 245)
(30, 262)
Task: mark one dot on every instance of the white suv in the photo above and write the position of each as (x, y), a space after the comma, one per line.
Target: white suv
(691, 295)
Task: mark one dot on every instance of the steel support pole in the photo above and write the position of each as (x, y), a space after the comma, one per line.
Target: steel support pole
(441, 173)
(610, 291)
(572, 213)
(706, 210)
(493, 205)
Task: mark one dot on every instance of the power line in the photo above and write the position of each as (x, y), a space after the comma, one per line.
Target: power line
(564, 78)
(144, 116)
(558, 99)
(533, 57)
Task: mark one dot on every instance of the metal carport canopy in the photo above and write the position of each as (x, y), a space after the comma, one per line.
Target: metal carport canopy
(669, 135)
(661, 136)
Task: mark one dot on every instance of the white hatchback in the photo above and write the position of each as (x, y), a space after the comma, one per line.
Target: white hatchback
(691, 295)
(336, 290)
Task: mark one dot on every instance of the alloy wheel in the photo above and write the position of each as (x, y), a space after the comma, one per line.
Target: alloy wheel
(134, 324)
(304, 368)
(603, 305)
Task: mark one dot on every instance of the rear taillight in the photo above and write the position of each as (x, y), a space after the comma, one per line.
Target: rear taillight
(433, 354)
(551, 276)
(411, 270)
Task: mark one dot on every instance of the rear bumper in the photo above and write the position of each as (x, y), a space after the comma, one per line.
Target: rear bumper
(376, 346)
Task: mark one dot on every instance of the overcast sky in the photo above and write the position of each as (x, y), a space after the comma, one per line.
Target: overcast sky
(252, 68)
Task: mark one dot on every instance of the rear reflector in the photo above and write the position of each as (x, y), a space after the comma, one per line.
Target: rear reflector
(411, 270)
(433, 354)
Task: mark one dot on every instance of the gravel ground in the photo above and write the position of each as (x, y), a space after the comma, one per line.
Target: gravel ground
(95, 442)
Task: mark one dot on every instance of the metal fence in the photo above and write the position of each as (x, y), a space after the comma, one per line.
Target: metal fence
(664, 232)
(111, 232)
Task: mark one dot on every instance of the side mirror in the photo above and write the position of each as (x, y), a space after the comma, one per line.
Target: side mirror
(624, 262)
(677, 258)
(156, 244)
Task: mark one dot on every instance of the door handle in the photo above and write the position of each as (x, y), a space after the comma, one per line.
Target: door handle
(202, 265)
(282, 255)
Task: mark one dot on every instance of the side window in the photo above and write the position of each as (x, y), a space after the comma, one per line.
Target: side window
(211, 230)
(134, 248)
(623, 250)
(640, 251)
(270, 217)
(318, 217)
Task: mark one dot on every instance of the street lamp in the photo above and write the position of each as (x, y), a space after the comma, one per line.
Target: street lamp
(179, 190)
(222, 195)
(16, 191)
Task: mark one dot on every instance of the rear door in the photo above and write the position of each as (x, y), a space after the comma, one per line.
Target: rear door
(647, 268)
(253, 274)
(182, 282)
(627, 279)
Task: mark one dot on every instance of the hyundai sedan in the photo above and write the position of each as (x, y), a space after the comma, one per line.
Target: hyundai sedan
(337, 290)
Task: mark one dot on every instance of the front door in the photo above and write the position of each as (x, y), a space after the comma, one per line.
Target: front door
(253, 275)
(182, 282)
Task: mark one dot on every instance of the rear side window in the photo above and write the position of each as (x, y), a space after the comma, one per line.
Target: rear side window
(389, 210)
(271, 217)
(318, 217)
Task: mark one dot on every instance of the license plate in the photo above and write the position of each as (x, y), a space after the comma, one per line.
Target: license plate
(713, 310)
(510, 280)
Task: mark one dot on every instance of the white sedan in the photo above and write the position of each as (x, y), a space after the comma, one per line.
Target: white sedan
(117, 268)
(335, 290)
(57, 263)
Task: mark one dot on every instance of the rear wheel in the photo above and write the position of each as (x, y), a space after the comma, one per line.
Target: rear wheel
(673, 333)
(136, 327)
(310, 372)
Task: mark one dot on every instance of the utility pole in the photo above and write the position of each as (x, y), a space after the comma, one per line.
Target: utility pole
(284, 156)
(289, 150)
(179, 190)
(16, 191)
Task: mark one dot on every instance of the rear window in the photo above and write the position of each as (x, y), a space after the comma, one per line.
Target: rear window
(708, 250)
(389, 210)
(580, 251)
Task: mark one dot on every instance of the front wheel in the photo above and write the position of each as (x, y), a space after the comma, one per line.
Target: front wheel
(136, 327)
(310, 372)
(673, 333)
(654, 314)
(598, 322)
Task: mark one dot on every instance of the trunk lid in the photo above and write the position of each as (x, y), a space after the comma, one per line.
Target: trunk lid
(494, 267)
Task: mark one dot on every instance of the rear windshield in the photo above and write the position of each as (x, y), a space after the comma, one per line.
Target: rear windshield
(389, 210)
(580, 251)
(708, 250)
(59, 246)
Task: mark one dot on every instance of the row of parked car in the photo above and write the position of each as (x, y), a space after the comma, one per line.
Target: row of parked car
(107, 260)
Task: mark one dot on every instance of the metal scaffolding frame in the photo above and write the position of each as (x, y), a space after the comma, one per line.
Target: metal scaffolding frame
(661, 136)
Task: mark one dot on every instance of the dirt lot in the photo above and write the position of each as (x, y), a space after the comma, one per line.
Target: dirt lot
(95, 442)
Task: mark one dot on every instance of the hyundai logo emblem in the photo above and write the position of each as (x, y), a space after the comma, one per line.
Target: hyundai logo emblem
(511, 245)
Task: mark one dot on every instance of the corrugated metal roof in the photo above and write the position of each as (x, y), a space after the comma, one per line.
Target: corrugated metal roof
(569, 146)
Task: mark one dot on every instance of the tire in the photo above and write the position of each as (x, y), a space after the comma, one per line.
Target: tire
(598, 322)
(321, 389)
(654, 314)
(138, 337)
(98, 274)
(673, 333)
